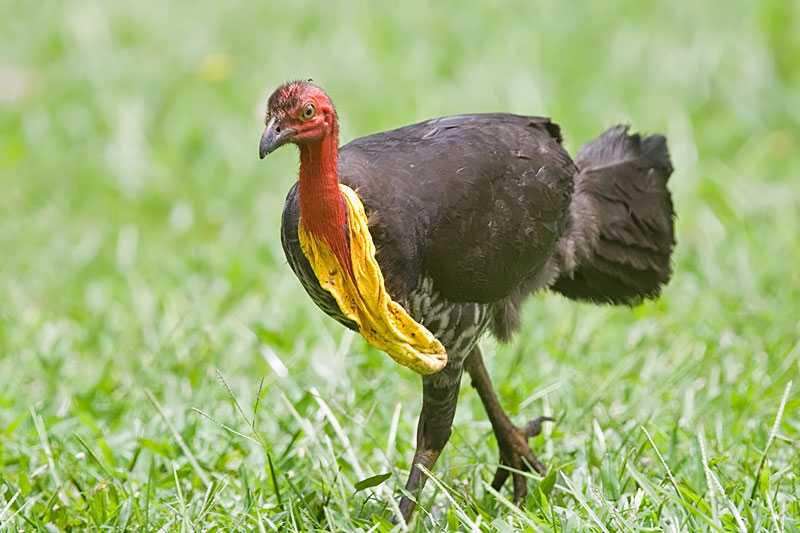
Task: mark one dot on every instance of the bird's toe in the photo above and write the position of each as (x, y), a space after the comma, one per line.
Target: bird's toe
(534, 427)
(516, 456)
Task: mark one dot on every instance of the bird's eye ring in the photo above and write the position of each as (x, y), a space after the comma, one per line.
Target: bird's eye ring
(309, 111)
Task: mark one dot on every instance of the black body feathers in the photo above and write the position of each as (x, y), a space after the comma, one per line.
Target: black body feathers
(488, 208)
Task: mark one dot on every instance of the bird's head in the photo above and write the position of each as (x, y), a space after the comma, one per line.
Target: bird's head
(297, 112)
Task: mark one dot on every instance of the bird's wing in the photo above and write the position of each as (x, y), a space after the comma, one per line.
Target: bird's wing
(477, 202)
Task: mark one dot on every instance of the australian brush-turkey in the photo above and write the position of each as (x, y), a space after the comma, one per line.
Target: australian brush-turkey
(469, 215)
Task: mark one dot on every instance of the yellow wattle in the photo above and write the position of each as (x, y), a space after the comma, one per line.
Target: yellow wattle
(384, 323)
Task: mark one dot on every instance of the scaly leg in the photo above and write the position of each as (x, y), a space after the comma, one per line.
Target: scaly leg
(439, 398)
(512, 440)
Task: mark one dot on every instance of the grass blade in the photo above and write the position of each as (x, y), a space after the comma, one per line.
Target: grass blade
(183, 446)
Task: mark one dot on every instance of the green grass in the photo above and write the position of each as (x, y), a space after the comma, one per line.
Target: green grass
(144, 296)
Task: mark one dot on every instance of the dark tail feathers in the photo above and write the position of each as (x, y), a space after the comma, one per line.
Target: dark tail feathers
(620, 233)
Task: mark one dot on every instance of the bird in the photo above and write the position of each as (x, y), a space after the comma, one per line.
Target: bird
(469, 215)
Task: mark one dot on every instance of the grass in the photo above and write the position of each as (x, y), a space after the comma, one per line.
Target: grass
(161, 369)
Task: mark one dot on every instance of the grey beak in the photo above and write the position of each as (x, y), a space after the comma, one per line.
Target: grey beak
(274, 137)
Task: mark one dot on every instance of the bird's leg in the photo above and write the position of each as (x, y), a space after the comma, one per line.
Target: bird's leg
(512, 440)
(439, 398)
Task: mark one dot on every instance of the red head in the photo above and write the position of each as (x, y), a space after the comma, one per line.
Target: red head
(301, 113)
(297, 112)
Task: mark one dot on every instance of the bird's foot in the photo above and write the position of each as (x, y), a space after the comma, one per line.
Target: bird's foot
(516, 454)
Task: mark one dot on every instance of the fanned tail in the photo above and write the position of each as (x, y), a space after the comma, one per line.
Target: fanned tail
(620, 235)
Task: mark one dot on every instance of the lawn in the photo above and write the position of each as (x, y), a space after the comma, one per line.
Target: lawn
(161, 369)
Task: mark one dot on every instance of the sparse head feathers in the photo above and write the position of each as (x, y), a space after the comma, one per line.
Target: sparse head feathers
(293, 94)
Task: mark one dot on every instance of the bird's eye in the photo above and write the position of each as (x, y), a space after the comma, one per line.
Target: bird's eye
(309, 111)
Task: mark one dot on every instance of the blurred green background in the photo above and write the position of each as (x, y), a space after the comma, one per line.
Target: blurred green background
(141, 275)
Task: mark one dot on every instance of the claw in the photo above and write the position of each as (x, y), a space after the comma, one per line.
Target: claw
(516, 454)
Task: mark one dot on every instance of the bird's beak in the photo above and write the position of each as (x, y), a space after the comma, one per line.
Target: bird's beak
(273, 137)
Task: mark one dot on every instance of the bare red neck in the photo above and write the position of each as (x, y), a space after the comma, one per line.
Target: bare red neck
(322, 208)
